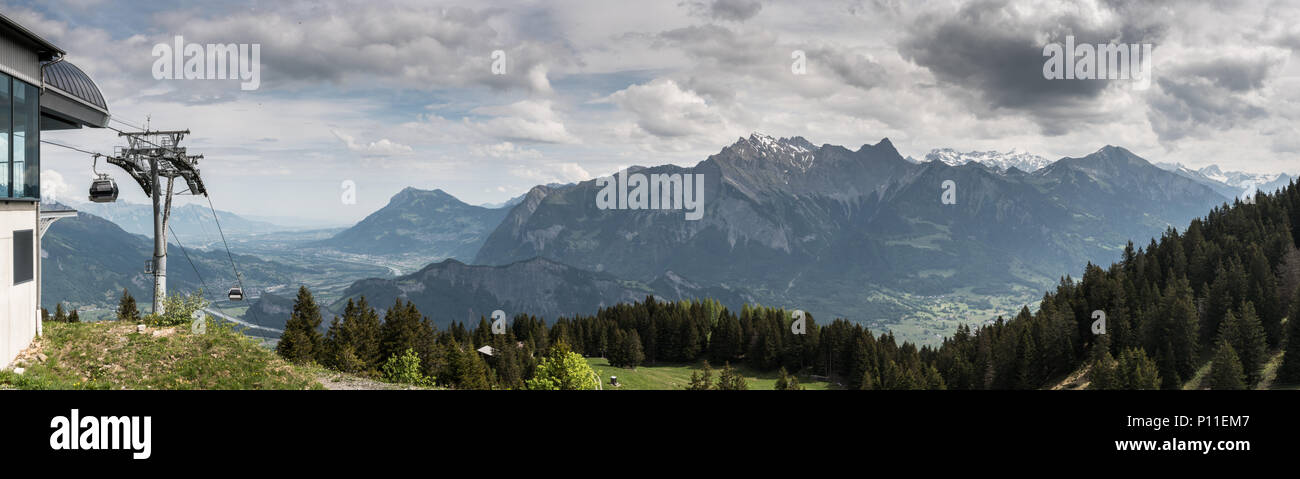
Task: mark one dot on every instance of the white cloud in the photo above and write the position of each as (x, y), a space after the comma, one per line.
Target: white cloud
(664, 109)
(381, 147)
(506, 150)
(54, 189)
(558, 173)
(525, 120)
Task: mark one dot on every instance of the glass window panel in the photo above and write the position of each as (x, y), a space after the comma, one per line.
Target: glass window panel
(6, 104)
(20, 138)
(31, 183)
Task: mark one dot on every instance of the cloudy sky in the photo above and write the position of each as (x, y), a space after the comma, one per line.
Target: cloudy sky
(390, 94)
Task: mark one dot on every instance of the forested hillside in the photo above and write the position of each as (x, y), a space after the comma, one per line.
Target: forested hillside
(1219, 292)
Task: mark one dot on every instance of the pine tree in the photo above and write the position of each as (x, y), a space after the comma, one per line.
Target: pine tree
(1263, 294)
(73, 318)
(1247, 337)
(787, 382)
(126, 308)
(1225, 372)
(632, 353)
(701, 380)
(59, 315)
(1101, 373)
(506, 362)
(1136, 370)
(400, 330)
(340, 356)
(464, 368)
(1289, 371)
(869, 381)
(359, 332)
(731, 380)
(301, 341)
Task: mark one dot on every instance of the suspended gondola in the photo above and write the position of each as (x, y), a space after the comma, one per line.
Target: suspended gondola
(236, 292)
(103, 189)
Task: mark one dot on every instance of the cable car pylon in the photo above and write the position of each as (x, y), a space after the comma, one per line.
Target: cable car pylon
(149, 157)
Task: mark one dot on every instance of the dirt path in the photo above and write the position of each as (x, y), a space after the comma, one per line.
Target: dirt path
(346, 382)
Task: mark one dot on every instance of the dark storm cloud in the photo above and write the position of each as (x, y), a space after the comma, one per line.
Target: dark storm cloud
(851, 68)
(1214, 93)
(738, 10)
(406, 46)
(724, 46)
(996, 51)
(1237, 74)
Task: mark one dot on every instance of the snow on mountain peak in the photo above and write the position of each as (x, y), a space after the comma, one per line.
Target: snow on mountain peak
(797, 151)
(1002, 161)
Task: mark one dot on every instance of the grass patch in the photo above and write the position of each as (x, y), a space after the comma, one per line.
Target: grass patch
(678, 376)
(112, 355)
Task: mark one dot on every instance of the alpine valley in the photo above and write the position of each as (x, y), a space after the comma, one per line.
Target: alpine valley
(861, 234)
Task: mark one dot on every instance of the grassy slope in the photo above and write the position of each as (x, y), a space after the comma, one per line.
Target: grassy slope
(677, 376)
(112, 355)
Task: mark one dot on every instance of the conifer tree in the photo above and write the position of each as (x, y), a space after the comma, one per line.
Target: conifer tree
(59, 315)
(73, 318)
(933, 380)
(1262, 293)
(786, 382)
(731, 380)
(632, 353)
(400, 330)
(1136, 370)
(1289, 371)
(1226, 371)
(468, 371)
(1101, 373)
(701, 380)
(506, 362)
(1247, 337)
(869, 381)
(126, 308)
(361, 331)
(302, 341)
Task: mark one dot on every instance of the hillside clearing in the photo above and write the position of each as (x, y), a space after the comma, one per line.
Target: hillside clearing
(678, 376)
(113, 355)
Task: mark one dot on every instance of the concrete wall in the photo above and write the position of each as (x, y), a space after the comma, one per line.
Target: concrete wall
(18, 303)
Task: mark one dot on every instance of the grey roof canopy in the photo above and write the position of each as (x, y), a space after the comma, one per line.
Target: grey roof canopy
(67, 77)
(71, 99)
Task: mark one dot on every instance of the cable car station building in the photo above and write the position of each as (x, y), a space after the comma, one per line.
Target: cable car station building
(39, 91)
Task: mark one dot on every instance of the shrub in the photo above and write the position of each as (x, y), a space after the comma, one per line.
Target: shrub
(404, 369)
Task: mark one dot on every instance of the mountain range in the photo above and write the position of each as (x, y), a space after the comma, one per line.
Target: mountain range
(192, 222)
(1232, 184)
(840, 232)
